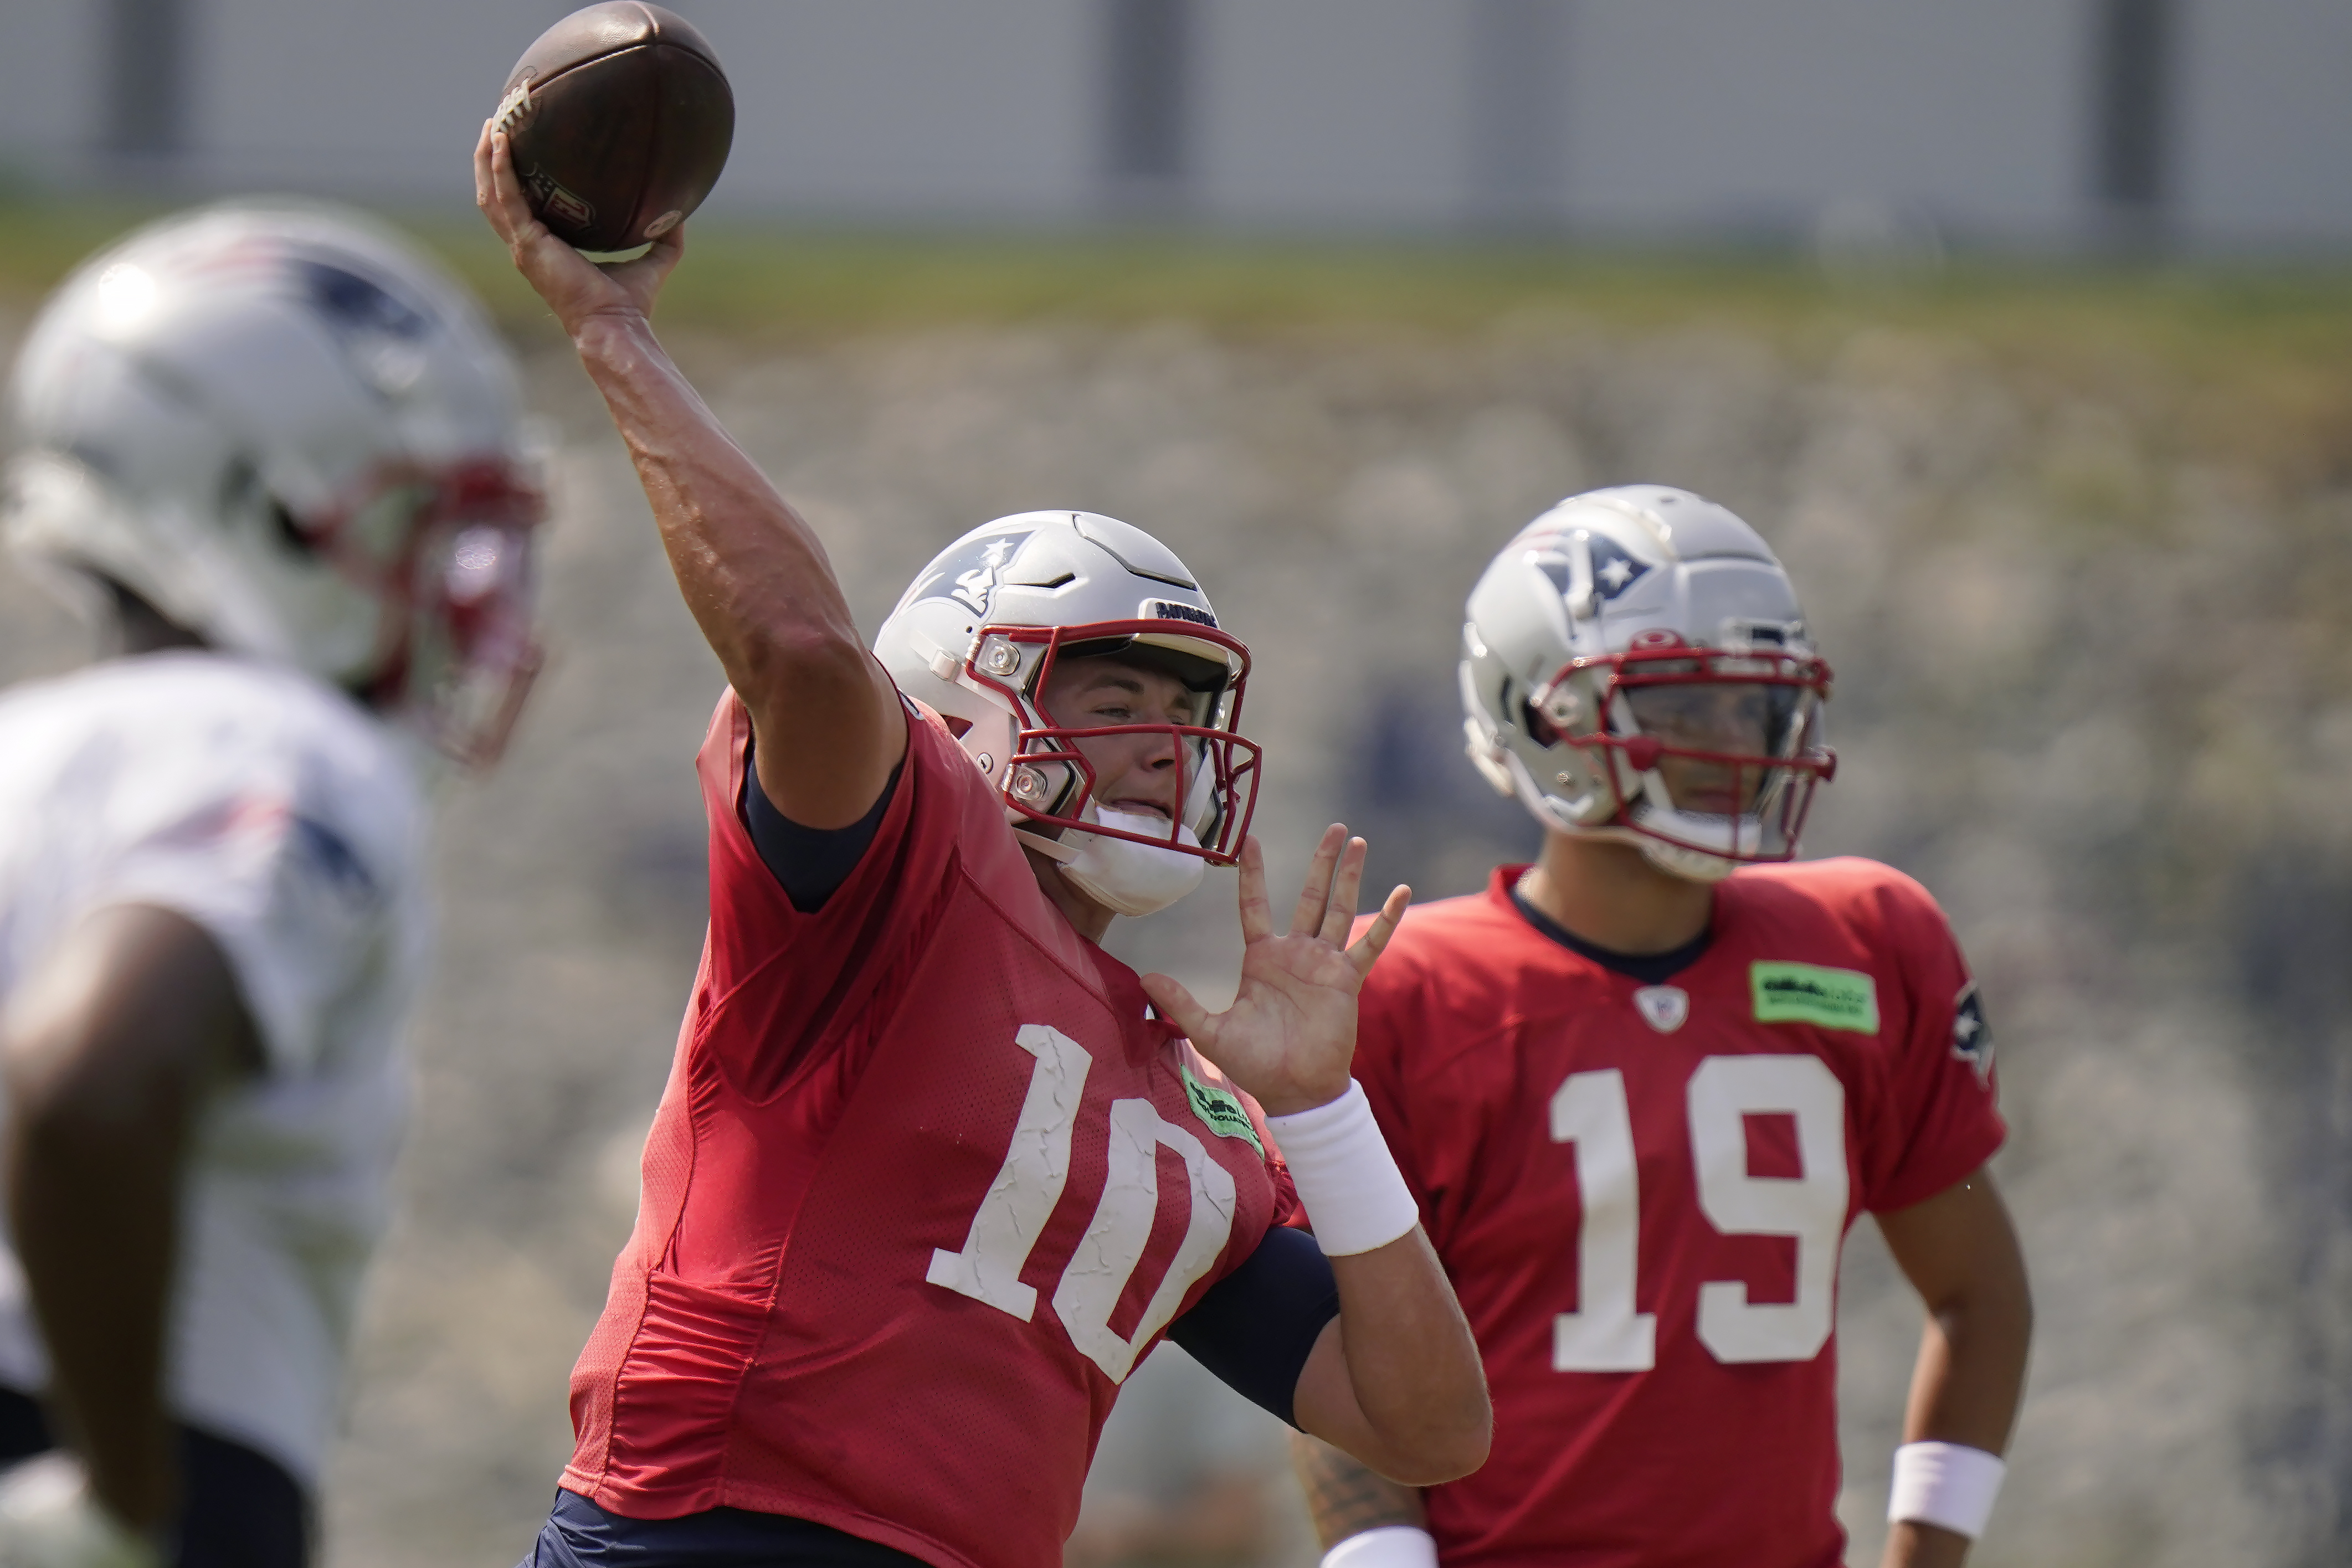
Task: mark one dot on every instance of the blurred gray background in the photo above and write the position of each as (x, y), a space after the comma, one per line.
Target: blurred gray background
(2220, 123)
(2082, 567)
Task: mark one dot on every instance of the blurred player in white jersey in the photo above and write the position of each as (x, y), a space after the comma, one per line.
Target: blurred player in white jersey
(277, 453)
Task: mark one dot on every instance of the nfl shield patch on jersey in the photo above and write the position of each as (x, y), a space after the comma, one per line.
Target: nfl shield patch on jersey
(1663, 1008)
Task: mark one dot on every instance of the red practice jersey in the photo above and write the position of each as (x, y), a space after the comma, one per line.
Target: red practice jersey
(926, 1183)
(1641, 1192)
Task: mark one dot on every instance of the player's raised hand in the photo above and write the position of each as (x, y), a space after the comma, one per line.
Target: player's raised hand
(1290, 1036)
(574, 287)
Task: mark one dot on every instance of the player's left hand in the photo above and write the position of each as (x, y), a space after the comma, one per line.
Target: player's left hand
(50, 1518)
(577, 290)
(1290, 1039)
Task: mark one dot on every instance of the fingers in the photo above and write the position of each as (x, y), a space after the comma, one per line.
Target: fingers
(1340, 914)
(1316, 896)
(1257, 914)
(1368, 947)
(647, 273)
(482, 169)
(506, 190)
(1177, 1006)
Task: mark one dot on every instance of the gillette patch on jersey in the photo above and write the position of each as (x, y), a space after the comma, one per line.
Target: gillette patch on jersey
(1806, 993)
(1221, 1110)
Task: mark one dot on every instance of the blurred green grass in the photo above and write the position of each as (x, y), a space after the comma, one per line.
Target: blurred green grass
(793, 282)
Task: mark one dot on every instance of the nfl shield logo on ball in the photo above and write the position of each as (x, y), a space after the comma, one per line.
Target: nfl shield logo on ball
(1663, 1008)
(558, 204)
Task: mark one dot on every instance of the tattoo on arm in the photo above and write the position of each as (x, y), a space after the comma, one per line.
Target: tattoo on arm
(1344, 1497)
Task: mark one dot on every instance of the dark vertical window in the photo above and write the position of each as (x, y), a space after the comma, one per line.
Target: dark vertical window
(146, 95)
(2135, 54)
(1516, 66)
(1148, 77)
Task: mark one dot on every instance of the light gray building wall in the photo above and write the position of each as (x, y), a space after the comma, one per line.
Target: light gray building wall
(1333, 112)
(48, 82)
(1704, 114)
(347, 96)
(2265, 122)
(923, 108)
(1983, 121)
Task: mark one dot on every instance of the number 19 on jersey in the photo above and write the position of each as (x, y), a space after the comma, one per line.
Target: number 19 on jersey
(1605, 1333)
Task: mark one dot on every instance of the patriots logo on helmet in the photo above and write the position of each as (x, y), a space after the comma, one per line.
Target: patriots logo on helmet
(1614, 568)
(1971, 1039)
(382, 335)
(357, 304)
(971, 576)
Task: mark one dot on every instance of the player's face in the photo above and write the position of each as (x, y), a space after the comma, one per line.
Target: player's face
(1141, 774)
(1736, 718)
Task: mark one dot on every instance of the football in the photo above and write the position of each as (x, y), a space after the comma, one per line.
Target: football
(619, 119)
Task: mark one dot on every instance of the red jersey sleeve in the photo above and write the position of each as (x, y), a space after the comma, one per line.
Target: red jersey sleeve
(817, 983)
(1422, 1068)
(1945, 1096)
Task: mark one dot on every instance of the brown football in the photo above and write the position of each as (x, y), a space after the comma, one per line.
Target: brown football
(619, 120)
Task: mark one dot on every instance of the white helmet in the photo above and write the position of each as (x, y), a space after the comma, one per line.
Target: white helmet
(979, 630)
(1636, 642)
(295, 437)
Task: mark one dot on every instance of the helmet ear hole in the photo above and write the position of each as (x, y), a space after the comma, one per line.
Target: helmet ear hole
(138, 625)
(290, 530)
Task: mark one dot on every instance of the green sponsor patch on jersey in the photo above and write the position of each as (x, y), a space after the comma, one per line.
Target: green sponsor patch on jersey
(1221, 1110)
(1806, 993)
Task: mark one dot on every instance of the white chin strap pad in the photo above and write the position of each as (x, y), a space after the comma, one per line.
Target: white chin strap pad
(1125, 877)
(1690, 864)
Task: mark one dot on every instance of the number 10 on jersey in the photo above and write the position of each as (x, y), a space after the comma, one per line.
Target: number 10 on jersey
(1590, 1110)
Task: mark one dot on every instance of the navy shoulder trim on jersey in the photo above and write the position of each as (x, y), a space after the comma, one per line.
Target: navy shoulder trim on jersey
(1650, 969)
(811, 863)
(1255, 1327)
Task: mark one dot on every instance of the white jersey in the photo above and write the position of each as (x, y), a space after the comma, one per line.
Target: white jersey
(289, 823)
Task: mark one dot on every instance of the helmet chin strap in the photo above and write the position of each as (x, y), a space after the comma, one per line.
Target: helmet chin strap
(1691, 865)
(1122, 875)
(1051, 849)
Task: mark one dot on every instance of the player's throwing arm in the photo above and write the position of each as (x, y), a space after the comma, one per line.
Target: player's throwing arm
(919, 1124)
(755, 577)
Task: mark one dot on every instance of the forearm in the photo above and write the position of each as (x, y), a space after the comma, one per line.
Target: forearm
(1970, 1373)
(1961, 1252)
(1964, 1389)
(754, 575)
(1418, 1410)
(1345, 1497)
(1411, 1356)
(101, 1307)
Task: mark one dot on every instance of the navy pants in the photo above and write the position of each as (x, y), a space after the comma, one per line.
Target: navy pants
(579, 1534)
(240, 1510)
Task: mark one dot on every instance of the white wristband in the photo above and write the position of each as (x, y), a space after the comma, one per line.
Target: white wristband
(1389, 1546)
(1947, 1485)
(1347, 1180)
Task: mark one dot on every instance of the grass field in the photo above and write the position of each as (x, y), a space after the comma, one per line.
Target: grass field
(792, 282)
